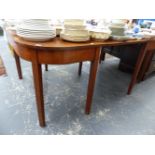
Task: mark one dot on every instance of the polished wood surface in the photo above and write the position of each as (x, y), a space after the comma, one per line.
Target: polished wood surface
(92, 78)
(57, 51)
(57, 43)
(38, 84)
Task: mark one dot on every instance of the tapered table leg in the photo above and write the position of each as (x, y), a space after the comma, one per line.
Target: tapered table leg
(137, 68)
(80, 68)
(18, 65)
(91, 83)
(46, 67)
(37, 75)
(145, 65)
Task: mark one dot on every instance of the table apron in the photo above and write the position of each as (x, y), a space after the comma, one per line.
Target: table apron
(25, 53)
(151, 45)
(66, 56)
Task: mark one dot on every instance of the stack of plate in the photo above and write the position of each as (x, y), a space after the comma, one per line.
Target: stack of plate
(75, 31)
(118, 30)
(100, 34)
(36, 30)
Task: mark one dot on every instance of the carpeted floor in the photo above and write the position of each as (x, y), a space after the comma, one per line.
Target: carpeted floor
(113, 112)
(2, 68)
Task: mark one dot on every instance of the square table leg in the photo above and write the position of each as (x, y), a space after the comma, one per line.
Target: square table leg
(80, 68)
(46, 67)
(92, 79)
(37, 75)
(18, 65)
(137, 68)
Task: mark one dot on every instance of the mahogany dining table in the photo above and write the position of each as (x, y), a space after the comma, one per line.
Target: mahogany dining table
(58, 52)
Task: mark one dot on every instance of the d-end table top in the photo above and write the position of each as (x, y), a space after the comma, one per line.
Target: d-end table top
(58, 43)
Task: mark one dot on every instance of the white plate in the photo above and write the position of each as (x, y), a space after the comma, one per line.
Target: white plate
(32, 36)
(74, 39)
(42, 34)
(75, 33)
(77, 27)
(37, 32)
(74, 22)
(35, 21)
(36, 28)
(121, 38)
(51, 32)
(37, 38)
